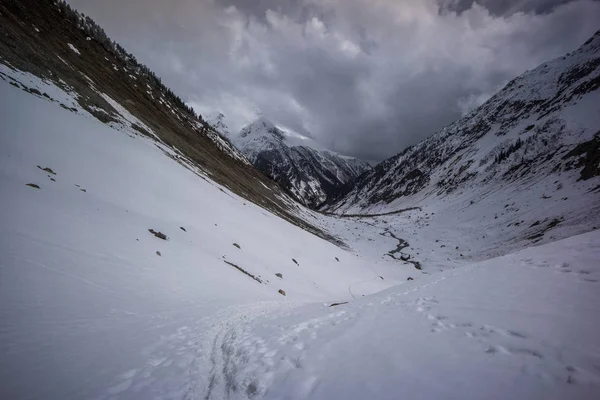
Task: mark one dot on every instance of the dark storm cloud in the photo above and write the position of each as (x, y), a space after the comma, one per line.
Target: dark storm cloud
(502, 7)
(365, 77)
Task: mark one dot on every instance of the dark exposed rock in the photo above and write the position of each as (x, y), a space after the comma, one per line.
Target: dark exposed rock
(47, 169)
(159, 235)
(588, 154)
(256, 278)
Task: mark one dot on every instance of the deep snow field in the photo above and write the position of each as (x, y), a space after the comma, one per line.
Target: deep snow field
(90, 310)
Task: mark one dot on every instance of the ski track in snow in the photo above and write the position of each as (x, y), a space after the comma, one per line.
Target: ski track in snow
(215, 358)
(228, 356)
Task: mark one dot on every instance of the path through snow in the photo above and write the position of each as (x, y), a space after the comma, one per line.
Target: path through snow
(520, 326)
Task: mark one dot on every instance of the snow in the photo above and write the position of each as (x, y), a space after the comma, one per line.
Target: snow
(88, 309)
(217, 121)
(82, 285)
(262, 131)
(125, 116)
(64, 95)
(516, 327)
(462, 176)
(74, 49)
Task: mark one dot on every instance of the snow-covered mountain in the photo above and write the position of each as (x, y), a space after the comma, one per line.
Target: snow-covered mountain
(310, 172)
(217, 121)
(541, 124)
(142, 257)
(111, 85)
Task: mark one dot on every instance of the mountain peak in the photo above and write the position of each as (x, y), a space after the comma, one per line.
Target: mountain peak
(217, 121)
(308, 171)
(262, 127)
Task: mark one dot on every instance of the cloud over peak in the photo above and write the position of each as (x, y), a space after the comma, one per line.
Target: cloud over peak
(365, 77)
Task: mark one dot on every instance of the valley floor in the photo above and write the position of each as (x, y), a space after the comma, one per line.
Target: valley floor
(521, 326)
(94, 306)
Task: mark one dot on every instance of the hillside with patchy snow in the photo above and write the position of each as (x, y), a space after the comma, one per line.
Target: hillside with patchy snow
(69, 51)
(308, 171)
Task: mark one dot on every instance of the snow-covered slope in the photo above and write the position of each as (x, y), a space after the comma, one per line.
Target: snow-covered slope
(522, 326)
(307, 170)
(543, 123)
(134, 265)
(48, 39)
(92, 305)
(87, 291)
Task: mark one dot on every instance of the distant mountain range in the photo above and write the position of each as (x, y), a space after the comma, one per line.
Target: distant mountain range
(309, 172)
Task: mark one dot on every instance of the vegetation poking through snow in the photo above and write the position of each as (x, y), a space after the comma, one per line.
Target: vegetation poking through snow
(503, 155)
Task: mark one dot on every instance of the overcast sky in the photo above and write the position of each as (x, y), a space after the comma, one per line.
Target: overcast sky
(364, 77)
